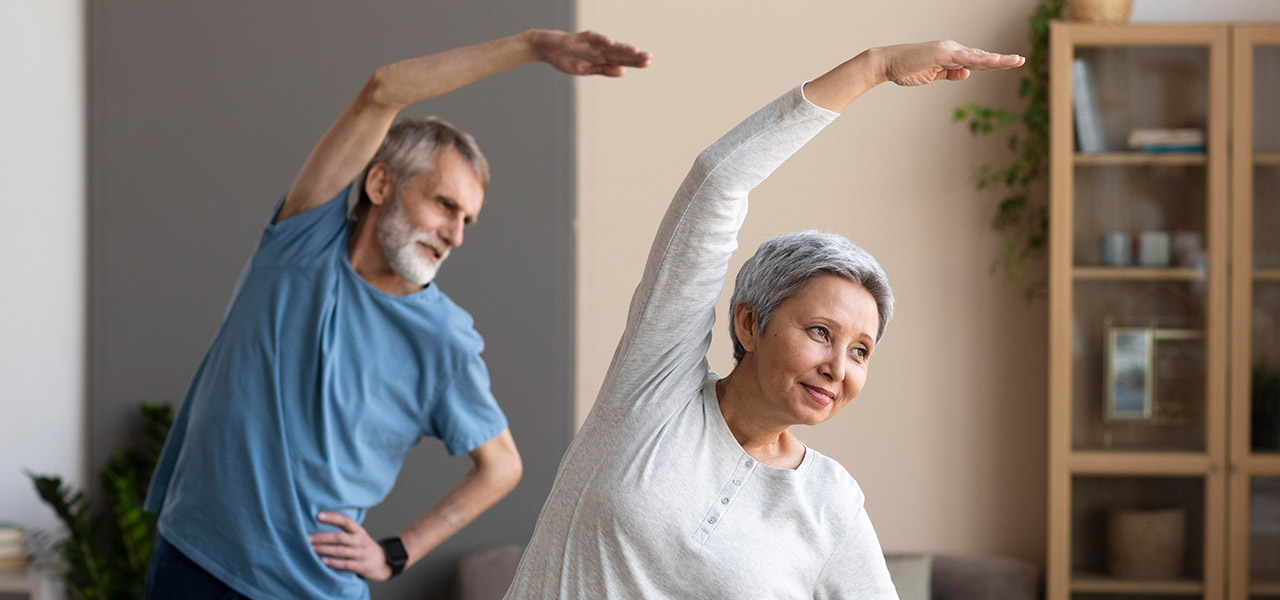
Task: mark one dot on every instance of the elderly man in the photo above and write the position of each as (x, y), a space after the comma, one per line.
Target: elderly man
(336, 355)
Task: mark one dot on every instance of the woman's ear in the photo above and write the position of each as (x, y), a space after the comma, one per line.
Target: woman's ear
(379, 184)
(745, 326)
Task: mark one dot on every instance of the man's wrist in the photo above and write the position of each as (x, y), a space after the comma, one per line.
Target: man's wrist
(395, 554)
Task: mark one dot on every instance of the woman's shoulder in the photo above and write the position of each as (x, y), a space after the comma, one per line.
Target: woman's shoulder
(833, 480)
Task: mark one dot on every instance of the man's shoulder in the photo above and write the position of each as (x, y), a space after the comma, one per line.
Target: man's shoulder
(453, 328)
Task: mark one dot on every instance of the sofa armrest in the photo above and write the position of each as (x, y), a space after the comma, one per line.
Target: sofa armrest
(486, 575)
(984, 578)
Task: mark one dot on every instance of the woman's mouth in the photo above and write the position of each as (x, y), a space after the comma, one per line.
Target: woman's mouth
(819, 395)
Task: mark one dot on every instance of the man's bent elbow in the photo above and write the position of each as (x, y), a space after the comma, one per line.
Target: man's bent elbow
(511, 470)
(378, 90)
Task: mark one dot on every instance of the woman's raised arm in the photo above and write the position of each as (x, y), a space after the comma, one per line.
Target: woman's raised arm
(672, 312)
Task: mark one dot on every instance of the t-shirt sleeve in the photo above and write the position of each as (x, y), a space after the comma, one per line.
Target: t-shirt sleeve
(304, 235)
(465, 414)
(856, 569)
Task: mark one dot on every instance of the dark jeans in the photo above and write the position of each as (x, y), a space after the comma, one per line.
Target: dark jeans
(174, 576)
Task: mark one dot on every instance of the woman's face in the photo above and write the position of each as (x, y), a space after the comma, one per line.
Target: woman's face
(811, 359)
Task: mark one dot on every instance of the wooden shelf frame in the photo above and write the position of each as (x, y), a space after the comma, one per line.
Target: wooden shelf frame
(1245, 464)
(1137, 274)
(1090, 583)
(1064, 463)
(1173, 159)
(1155, 464)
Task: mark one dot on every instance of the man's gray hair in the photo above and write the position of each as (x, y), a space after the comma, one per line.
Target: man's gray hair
(411, 147)
(782, 265)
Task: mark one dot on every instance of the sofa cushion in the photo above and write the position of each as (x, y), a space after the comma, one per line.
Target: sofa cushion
(487, 575)
(984, 578)
(910, 574)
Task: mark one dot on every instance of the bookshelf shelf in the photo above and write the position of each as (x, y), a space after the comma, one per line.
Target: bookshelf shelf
(1266, 274)
(1139, 274)
(1143, 158)
(1089, 583)
(1266, 158)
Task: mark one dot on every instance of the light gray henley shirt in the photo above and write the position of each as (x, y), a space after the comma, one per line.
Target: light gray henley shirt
(655, 498)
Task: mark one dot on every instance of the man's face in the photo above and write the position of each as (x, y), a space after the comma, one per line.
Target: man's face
(425, 218)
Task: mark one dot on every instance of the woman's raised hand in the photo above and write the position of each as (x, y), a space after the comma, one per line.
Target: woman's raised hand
(586, 53)
(905, 64)
(918, 64)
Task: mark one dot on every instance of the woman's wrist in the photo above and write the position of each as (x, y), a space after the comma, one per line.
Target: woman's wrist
(838, 88)
(876, 64)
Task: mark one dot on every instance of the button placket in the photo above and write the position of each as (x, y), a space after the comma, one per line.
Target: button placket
(723, 500)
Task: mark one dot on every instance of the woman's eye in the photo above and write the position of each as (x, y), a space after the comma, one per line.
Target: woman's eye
(861, 353)
(819, 332)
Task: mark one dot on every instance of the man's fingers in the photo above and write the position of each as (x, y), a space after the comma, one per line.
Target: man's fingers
(596, 39)
(342, 564)
(628, 57)
(332, 537)
(608, 70)
(341, 520)
(335, 550)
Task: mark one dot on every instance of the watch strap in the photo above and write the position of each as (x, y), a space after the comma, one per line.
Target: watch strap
(395, 553)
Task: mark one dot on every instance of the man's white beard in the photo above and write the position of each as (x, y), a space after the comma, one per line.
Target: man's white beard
(403, 245)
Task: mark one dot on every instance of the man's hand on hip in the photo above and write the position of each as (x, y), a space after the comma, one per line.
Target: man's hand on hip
(351, 549)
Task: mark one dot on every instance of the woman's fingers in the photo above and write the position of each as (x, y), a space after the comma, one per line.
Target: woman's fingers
(974, 59)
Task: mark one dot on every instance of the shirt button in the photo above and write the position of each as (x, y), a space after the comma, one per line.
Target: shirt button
(711, 520)
(724, 501)
(746, 463)
(737, 482)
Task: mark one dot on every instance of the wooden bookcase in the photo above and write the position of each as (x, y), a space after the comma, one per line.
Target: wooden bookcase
(1151, 368)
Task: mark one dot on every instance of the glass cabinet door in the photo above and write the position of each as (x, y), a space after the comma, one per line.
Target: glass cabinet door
(1255, 377)
(1145, 215)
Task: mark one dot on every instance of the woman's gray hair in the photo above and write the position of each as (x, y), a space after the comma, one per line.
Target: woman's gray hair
(410, 149)
(782, 265)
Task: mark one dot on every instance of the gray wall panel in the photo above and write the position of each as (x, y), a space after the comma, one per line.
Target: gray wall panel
(201, 114)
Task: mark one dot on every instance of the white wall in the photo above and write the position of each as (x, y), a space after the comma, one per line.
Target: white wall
(1165, 11)
(42, 250)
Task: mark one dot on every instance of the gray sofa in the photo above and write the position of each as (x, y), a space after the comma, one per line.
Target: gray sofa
(486, 576)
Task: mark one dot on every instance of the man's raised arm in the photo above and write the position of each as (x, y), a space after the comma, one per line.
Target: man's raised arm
(353, 139)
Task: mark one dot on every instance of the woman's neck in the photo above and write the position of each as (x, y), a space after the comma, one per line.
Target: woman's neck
(747, 413)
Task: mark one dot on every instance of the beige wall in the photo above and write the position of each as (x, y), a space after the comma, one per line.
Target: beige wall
(947, 439)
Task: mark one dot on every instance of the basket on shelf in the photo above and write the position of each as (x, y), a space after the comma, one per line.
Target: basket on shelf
(1099, 11)
(1147, 544)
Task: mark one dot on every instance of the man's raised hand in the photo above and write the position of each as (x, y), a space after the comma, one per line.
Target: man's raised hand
(587, 53)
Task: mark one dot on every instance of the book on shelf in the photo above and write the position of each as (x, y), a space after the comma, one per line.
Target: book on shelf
(1167, 140)
(1088, 115)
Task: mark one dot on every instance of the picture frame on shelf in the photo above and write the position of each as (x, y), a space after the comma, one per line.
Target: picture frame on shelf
(1137, 370)
(1130, 371)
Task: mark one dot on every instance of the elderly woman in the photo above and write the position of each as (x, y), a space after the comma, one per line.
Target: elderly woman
(682, 484)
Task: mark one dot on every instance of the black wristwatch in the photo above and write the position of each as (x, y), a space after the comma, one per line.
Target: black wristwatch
(393, 548)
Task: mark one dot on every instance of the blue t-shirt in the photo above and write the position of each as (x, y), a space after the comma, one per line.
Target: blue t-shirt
(313, 390)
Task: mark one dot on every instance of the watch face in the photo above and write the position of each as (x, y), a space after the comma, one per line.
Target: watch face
(396, 554)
